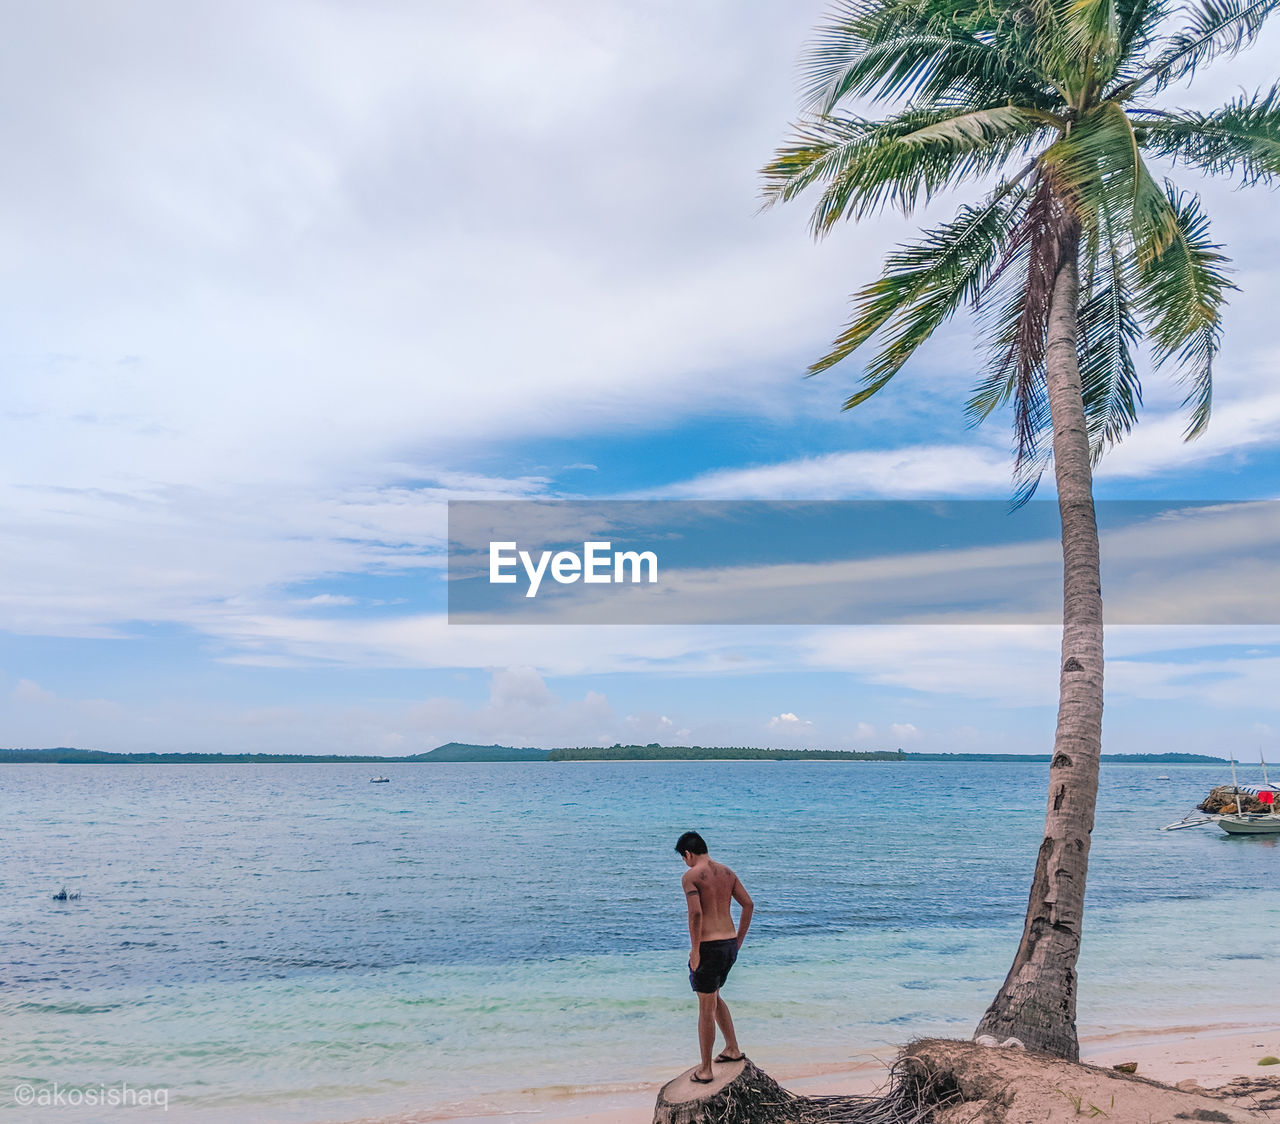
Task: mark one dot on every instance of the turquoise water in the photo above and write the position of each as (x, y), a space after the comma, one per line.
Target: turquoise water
(291, 943)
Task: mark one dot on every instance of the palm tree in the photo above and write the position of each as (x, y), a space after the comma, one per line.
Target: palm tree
(1072, 256)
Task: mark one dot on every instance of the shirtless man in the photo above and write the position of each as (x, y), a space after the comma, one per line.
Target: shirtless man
(714, 943)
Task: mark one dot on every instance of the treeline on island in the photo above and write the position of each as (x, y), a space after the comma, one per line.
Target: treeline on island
(655, 752)
(69, 756)
(457, 752)
(715, 753)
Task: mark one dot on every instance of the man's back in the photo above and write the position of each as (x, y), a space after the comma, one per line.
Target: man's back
(714, 883)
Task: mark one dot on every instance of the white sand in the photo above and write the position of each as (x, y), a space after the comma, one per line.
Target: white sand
(1210, 1056)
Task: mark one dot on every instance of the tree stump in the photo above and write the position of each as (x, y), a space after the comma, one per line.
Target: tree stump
(739, 1093)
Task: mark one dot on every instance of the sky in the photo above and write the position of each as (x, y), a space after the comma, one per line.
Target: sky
(281, 280)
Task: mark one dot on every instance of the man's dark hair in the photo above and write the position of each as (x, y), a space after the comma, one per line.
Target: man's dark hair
(692, 842)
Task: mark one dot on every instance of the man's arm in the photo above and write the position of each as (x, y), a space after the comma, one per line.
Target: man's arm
(694, 899)
(741, 896)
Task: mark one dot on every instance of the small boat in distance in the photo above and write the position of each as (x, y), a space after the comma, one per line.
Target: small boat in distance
(387, 780)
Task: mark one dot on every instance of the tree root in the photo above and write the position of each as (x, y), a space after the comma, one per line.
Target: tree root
(936, 1081)
(752, 1097)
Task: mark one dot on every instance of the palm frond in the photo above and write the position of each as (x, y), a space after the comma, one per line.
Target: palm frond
(1091, 31)
(1215, 29)
(1140, 21)
(1099, 169)
(1109, 332)
(921, 286)
(1005, 319)
(1021, 289)
(866, 165)
(1243, 136)
(925, 51)
(1181, 295)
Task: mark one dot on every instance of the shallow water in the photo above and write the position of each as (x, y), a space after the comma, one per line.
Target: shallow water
(287, 942)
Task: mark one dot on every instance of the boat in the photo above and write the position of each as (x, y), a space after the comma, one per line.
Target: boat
(1251, 823)
(387, 780)
(1238, 822)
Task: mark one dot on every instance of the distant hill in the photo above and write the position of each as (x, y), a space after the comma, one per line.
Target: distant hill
(459, 751)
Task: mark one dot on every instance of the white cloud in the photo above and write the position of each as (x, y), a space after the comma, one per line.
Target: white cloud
(520, 687)
(247, 323)
(260, 313)
(788, 723)
(29, 691)
(647, 727)
(903, 731)
(306, 291)
(927, 471)
(1238, 427)
(911, 471)
(258, 308)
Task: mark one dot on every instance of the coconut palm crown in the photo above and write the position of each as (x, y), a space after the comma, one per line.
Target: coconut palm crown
(1074, 255)
(1051, 104)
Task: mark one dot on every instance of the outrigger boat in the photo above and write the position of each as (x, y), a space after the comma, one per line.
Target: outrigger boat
(1252, 823)
(1240, 822)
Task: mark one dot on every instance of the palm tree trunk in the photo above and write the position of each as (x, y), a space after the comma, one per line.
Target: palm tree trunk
(1037, 1002)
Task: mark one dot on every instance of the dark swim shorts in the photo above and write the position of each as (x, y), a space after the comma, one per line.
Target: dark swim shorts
(715, 958)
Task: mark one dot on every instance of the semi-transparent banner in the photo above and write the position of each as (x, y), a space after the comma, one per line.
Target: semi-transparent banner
(892, 562)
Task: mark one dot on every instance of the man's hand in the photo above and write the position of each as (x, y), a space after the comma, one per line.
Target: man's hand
(695, 958)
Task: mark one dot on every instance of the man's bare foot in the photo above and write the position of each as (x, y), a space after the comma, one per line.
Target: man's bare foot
(728, 1057)
(702, 1080)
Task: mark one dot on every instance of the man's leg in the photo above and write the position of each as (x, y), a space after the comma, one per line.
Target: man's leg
(732, 1051)
(706, 1030)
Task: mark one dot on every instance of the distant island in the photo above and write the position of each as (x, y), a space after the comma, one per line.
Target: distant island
(656, 752)
(455, 752)
(717, 753)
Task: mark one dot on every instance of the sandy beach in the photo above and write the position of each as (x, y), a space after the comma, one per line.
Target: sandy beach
(1209, 1056)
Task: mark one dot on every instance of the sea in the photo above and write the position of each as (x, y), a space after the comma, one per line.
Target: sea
(292, 943)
